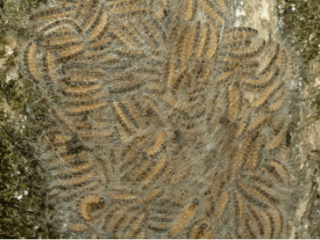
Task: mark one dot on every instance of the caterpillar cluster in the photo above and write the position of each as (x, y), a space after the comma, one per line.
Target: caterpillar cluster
(169, 124)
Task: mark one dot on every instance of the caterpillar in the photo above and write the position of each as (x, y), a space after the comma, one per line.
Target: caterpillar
(201, 230)
(236, 36)
(277, 105)
(184, 218)
(30, 62)
(221, 204)
(282, 62)
(85, 205)
(101, 134)
(81, 90)
(252, 225)
(124, 119)
(98, 29)
(261, 82)
(161, 137)
(133, 173)
(92, 16)
(80, 110)
(239, 207)
(136, 117)
(277, 220)
(84, 10)
(72, 52)
(115, 220)
(75, 170)
(63, 120)
(76, 180)
(210, 12)
(239, 157)
(269, 57)
(187, 45)
(154, 171)
(258, 122)
(202, 41)
(84, 74)
(225, 77)
(60, 23)
(100, 44)
(290, 68)
(68, 159)
(264, 221)
(60, 42)
(253, 156)
(250, 51)
(156, 193)
(51, 13)
(121, 2)
(279, 172)
(161, 11)
(152, 35)
(276, 141)
(234, 102)
(89, 187)
(134, 226)
(212, 47)
(172, 80)
(259, 193)
(130, 10)
(67, 2)
(188, 9)
(133, 30)
(77, 227)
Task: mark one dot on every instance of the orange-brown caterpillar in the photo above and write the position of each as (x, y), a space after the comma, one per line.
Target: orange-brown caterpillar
(235, 36)
(77, 227)
(86, 204)
(84, 10)
(262, 81)
(87, 108)
(160, 139)
(76, 180)
(187, 45)
(201, 230)
(221, 204)
(51, 13)
(253, 155)
(277, 220)
(209, 11)
(258, 122)
(234, 102)
(188, 9)
(277, 140)
(98, 29)
(156, 169)
(203, 37)
(71, 52)
(212, 47)
(30, 62)
(76, 169)
(269, 58)
(184, 218)
(239, 157)
(279, 172)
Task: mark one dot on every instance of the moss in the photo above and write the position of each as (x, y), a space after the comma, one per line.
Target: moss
(24, 211)
(301, 22)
